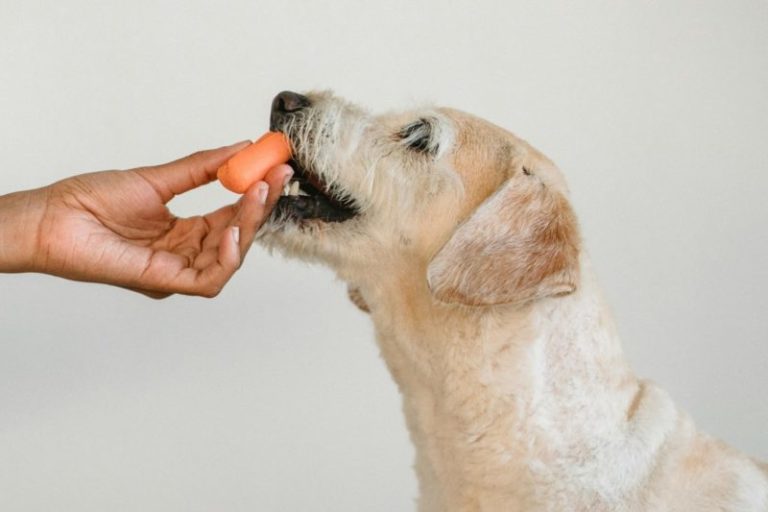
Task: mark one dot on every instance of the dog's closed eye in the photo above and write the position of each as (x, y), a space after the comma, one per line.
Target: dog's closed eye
(417, 136)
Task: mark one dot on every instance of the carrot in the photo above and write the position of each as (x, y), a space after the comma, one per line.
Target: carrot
(252, 163)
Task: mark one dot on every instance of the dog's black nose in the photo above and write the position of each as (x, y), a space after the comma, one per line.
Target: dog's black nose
(285, 104)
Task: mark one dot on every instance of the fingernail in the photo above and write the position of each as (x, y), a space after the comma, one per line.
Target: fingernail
(236, 234)
(287, 178)
(263, 191)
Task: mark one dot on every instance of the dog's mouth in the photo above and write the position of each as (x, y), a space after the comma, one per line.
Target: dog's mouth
(308, 197)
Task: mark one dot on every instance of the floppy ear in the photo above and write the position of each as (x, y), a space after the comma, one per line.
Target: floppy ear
(520, 245)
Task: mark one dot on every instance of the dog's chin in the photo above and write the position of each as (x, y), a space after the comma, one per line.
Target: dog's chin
(308, 200)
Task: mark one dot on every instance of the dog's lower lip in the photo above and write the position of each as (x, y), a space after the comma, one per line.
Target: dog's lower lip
(313, 207)
(317, 203)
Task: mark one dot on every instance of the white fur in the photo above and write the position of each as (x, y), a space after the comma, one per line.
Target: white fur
(512, 407)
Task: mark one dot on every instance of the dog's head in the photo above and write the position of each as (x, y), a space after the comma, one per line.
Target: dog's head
(477, 212)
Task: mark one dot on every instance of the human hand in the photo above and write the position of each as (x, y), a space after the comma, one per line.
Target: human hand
(114, 227)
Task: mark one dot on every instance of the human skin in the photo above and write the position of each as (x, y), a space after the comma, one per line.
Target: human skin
(114, 227)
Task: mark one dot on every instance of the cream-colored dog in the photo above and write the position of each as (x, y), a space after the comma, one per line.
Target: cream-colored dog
(459, 239)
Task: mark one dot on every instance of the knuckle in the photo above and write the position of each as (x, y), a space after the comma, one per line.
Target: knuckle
(199, 155)
(197, 159)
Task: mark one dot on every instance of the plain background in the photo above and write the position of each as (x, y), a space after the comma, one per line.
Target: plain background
(273, 396)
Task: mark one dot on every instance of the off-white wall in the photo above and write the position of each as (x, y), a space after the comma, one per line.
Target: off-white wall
(272, 396)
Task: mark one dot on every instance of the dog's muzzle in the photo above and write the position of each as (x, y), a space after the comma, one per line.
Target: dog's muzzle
(307, 196)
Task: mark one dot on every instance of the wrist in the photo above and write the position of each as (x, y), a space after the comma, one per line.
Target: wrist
(21, 214)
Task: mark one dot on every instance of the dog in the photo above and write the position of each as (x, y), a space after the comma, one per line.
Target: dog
(457, 237)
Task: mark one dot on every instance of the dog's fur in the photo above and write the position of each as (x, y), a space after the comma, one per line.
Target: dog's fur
(467, 255)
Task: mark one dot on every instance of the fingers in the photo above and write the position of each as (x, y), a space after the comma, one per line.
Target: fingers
(252, 212)
(212, 279)
(257, 203)
(189, 172)
(216, 264)
(209, 281)
(276, 178)
(253, 209)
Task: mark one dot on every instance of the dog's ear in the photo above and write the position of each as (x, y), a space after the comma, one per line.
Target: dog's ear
(520, 245)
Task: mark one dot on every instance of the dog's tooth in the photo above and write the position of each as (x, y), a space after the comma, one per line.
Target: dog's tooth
(295, 188)
(286, 190)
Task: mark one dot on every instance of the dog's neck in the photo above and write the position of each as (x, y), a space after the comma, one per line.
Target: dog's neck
(497, 398)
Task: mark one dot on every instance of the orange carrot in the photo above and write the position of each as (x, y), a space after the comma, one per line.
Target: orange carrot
(252, 163)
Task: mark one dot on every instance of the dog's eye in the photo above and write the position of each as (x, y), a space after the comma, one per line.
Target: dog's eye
(418, 136)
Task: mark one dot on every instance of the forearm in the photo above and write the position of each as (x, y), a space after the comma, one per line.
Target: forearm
(20, 216)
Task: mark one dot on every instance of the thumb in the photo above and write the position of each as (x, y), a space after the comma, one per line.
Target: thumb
(190, 171)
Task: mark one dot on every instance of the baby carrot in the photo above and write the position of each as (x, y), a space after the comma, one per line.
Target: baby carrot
(252, 163)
